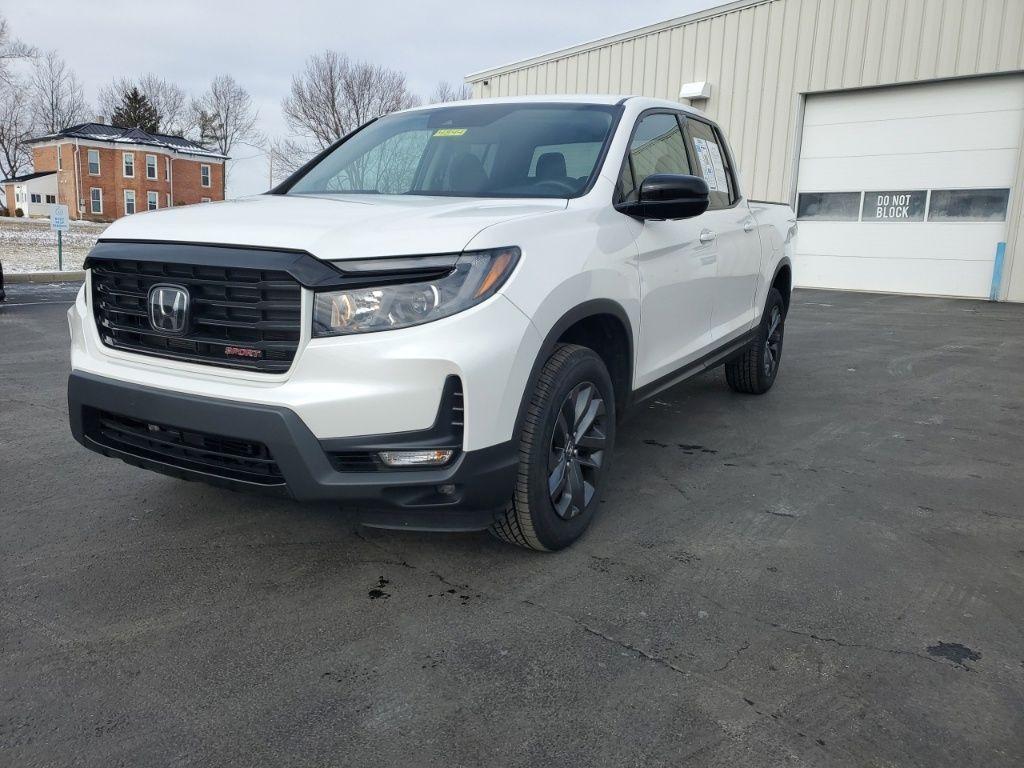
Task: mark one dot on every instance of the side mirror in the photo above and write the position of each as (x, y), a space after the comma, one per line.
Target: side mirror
(668, 196)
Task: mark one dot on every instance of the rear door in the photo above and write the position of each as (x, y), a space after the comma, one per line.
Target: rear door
(729, 222)
(677, 267)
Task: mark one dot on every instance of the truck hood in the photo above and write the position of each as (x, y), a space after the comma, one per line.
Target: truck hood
(332, 227)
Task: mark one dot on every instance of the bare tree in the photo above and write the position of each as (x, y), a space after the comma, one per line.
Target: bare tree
(330, 98)
(15, 129)
(57, 100)
(11, 50)
(225, 115)
(170, 100)
(445, 91)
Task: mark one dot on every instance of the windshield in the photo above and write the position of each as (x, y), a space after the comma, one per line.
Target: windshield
(487, 150)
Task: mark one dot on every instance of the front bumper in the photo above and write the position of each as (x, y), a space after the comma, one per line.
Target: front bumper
(460, 496)
(364, 384)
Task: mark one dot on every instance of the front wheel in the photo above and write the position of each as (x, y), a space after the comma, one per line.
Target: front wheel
(753, 371)
(564, 449)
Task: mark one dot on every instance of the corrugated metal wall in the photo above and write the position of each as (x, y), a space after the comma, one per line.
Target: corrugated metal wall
(759, 56)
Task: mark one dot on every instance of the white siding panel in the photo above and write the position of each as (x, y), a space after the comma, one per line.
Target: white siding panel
(928, 170)
(980, 132)
(947, 278)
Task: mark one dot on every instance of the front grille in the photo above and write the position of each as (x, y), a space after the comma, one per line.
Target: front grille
(238, 317)
(225, 457)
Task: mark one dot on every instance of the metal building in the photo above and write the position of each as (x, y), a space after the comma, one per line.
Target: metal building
(895, 127)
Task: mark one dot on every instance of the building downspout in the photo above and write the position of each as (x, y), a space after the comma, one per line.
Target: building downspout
(78, 181)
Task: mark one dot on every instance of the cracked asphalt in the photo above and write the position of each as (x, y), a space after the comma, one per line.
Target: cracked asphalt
(832, 574)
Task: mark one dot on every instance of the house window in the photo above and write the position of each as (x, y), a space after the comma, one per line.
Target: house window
(51, 199)
(129, 165)
(94, 162)
(35, 198)
(204, 199)
(167, 197)
(204, 175)
(129, 202)
(151, 167)
(152, 201)
(96, 200)
(167, 170)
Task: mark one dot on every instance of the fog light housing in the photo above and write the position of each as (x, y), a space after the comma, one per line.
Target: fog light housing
(429, 458)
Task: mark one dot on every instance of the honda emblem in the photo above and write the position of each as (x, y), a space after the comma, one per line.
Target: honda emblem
(168, 308)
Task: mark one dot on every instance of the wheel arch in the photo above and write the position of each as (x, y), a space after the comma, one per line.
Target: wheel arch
(782, 280)
(585, 324)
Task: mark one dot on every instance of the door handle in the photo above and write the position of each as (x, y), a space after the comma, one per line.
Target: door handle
(706, 236)
(748, 225)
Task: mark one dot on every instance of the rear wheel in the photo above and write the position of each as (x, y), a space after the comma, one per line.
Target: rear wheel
(564, 449)
(754, 370)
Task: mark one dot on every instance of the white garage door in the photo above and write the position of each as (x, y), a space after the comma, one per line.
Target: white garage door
(906, 189)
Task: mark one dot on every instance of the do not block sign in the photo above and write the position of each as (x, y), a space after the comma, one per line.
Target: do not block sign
(894, 206)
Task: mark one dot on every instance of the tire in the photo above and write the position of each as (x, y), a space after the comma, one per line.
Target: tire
(754, 370)
(573, 387)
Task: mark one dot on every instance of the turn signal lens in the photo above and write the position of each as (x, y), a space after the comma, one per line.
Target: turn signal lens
(397, 303)
(430, 458)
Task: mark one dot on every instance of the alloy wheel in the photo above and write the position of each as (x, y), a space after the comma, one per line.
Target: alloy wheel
(576, 454)
(773, 342)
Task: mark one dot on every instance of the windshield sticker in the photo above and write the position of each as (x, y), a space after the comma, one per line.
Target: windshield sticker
(707, 164)
(449, 131)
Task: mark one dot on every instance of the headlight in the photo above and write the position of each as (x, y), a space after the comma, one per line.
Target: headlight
(399, 292)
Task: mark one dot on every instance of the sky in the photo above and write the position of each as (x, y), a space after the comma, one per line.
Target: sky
(263, 43)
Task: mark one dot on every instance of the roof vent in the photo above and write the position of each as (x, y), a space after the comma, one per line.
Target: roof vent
(101, 119)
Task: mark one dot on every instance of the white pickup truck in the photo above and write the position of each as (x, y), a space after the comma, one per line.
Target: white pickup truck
(440, 319)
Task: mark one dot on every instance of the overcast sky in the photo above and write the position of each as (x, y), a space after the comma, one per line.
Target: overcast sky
(263, 43)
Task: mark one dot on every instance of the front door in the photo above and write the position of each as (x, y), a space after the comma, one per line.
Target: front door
(677, 258)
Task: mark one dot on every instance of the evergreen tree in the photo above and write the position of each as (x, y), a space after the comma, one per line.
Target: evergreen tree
(136, 111)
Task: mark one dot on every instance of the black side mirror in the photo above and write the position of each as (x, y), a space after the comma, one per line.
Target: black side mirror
(668, 196)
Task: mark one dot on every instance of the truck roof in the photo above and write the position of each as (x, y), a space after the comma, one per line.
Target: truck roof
(644, 102)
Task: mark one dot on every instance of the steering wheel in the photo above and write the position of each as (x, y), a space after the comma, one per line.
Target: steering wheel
(563, 186)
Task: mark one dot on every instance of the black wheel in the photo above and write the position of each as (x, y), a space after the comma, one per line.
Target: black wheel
(564, 450)
(754, 370)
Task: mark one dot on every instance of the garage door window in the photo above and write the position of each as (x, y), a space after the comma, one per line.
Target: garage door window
(968, 205)
(901, 205)
(828, 206)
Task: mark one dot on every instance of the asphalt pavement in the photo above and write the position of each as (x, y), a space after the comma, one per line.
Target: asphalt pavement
(831, 574)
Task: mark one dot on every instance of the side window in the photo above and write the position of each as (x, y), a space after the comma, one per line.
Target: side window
(657, 147)
(712, 162)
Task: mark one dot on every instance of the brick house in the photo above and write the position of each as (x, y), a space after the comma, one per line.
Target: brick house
(104, 172)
